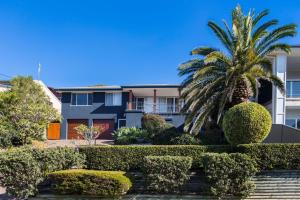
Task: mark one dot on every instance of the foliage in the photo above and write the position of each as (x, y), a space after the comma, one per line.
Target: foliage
(166, 173)
(131, 157)
(185, 139)
(130, 135)
(60, 158)
(25, 110)
(165, 134)
(22, 169)
(88, 133)
(90, 182)
(247, 123)
(153, 123)
(274, 156)
(220, 79)
(212, 134)
(20, 173)
(229, 174)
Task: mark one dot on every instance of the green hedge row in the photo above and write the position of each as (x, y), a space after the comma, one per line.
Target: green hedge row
(273, 156)
(229, 174)
(131, 157)
(267, 156)
(22, 169)
(165, 174)
(90, 182)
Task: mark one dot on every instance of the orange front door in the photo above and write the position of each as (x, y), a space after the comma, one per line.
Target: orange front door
(106, 126)
(53, 131)
(72, 124)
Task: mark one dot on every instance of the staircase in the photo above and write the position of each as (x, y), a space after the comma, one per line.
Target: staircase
(279, 184)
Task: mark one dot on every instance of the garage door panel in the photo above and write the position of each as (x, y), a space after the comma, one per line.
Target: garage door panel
(72, 124)
(106, 126)
(53, 131)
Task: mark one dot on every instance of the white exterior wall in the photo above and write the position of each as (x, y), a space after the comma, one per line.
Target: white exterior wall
(278, 108)
(53, 99)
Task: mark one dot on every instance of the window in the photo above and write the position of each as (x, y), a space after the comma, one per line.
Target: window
(295, 123)
(82, 99)
(293, 88)
(113, 99)
(167, 104)
(290, 122)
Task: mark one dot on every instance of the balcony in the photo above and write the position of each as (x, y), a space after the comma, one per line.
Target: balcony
(158, 108)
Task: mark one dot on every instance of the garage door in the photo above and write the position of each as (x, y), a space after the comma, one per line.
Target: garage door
(53, 131)
(72, 124)
(107, 127)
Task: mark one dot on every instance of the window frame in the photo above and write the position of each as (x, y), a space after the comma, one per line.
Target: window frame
(88, 95)
(289, 94)
(113, 96)
(296, 120)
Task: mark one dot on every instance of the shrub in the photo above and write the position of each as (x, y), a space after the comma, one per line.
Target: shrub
(229, 174)
(60, 158)
(274, 156)
(131, 157)
(23, 168)
(247, 123)
(165, 135)
(212, 134)
(166, 173)
(185, 139)
(130, 135)
(90, 182)
(153, 123)
(20, 173)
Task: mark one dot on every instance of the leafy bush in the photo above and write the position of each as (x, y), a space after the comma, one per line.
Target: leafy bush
(274, 156)
(131, 157)
(22, 169)
(247, 123)
(60, 158)
(26, 110)
(130, 135)
(165, 135)
(90, 182)
(229, 174)
(212, 134)
(185, 139)
(20, 173)
(166, 173)
(153, 123)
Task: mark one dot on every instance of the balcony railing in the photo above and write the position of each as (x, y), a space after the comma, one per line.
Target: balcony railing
(293, 89)
(158, 108)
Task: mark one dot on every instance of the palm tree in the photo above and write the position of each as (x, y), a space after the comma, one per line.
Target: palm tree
(219, 79)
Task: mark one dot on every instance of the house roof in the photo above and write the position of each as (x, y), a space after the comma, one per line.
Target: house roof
(115, 87)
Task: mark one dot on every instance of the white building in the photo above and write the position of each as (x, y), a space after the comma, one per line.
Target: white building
(285, 108)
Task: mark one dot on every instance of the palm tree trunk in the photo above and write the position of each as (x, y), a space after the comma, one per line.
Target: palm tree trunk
(242, 92)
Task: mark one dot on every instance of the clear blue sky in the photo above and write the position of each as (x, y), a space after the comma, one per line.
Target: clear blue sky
(114, 42)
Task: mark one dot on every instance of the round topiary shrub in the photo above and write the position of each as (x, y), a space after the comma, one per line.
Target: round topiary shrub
(90, 182)
(247, 123)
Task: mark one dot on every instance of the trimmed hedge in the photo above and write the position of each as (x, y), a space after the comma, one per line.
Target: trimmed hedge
(247, 123)
(20, 173)
(229, 174)
(22, 169)
(273, 156)
(164, 174)
(90, 182)
(131, 157)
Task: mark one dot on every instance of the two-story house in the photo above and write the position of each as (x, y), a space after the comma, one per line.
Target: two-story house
(111, 107)
(285, 108)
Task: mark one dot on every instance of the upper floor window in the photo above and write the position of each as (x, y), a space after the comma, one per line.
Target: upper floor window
(113, 99)
(82, 99)
(293, 89)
